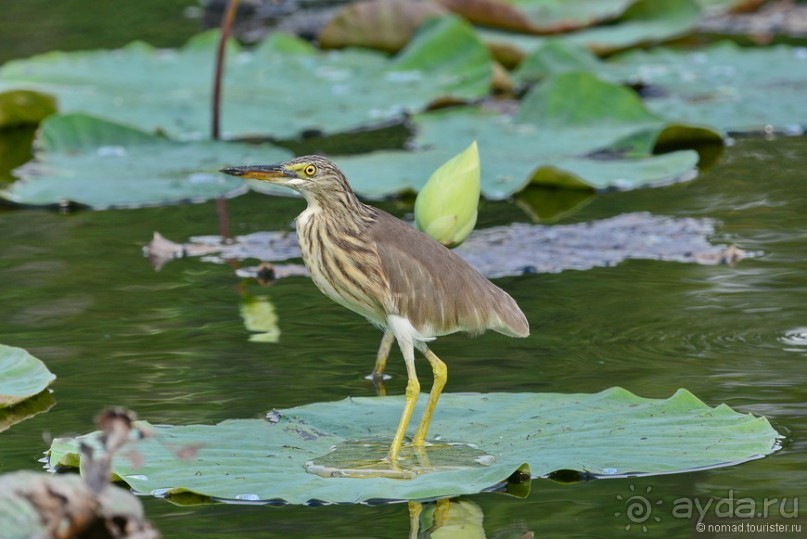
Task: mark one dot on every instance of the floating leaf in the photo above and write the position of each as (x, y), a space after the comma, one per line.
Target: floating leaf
(599, 133)
(555, 56)
(100, 164)
(617, 173)
(281, 89)
(21, 375)
(446, 207)
(723, 85)
(609, 433)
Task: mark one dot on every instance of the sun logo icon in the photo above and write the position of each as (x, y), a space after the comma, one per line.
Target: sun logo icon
(638, 508)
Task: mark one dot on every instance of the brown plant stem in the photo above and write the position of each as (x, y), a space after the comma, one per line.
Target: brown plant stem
(226, 27)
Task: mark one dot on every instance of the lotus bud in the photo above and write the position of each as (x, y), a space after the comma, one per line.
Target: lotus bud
(446, 207)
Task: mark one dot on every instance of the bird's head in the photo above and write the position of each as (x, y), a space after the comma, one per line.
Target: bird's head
(310, 175)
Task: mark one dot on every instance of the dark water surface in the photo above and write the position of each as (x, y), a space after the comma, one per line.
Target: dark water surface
(76, 291)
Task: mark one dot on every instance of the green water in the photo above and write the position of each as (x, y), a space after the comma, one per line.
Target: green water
(76, 291)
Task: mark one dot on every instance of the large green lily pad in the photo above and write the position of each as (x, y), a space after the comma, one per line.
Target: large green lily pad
(281, 89)
(609, 433)
(84, 160)
(723, 85)
(573, 130)
(21, 375)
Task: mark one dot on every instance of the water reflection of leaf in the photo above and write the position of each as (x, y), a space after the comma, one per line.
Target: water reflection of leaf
(547, 204)
(26, 409)
(260, 317)
(24, 107)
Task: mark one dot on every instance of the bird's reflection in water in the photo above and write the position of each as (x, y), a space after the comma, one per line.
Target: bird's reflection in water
(454, 519)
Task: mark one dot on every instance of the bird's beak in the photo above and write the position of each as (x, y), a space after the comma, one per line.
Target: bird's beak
(267, 173)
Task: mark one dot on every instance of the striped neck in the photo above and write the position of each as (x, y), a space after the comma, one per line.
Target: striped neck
(342, 207)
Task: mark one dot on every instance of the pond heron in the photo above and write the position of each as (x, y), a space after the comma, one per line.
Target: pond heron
(400, 279)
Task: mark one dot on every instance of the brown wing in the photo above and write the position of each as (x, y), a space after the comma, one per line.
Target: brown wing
(437, 290)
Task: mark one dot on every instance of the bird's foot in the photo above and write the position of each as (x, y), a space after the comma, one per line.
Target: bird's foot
(379, 382)
(378, 377)
(369, 458)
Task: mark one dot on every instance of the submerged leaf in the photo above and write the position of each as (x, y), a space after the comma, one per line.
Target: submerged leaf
(21, 375)
(446, 207)
(609, 433)
(522, 248)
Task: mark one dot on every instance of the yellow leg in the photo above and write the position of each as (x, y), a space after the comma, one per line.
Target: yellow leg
(441, 513)
(412, 392)
(440, 376)
(415, 508)
(381, 357)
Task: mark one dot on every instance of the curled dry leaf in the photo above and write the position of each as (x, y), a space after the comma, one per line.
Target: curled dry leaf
(491, 13)
(379, 24)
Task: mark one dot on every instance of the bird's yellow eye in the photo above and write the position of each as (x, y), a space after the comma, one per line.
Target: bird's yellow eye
(310, 170)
